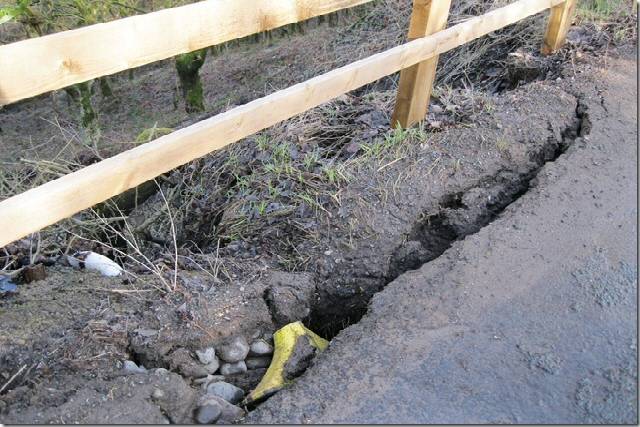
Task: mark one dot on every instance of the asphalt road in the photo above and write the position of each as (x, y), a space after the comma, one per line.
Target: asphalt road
(531, 320)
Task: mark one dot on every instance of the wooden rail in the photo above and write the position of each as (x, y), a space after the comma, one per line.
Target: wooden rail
(35, 66)
(30, 211)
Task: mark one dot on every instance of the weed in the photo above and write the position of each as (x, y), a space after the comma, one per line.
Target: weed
(502, 144)
(604, 10)
(262, 142)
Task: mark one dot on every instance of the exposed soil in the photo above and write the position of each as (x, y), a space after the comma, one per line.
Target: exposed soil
(532, 319)
(259, 247)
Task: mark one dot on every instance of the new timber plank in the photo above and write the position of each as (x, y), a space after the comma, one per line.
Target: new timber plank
(35, 66)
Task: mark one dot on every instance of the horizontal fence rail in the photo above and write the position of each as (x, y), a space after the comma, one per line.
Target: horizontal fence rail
(32, 210)
(35, 66)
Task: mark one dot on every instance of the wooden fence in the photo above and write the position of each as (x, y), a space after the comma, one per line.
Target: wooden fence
(34, 66)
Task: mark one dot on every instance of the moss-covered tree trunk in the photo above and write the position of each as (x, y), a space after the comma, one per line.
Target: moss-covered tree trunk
(105, 87)
(81, 94)
(188, 66)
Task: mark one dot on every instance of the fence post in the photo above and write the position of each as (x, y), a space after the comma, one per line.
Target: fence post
(416, 82)
(559, 23)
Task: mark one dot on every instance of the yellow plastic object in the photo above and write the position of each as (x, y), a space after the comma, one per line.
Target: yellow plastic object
(284, 341)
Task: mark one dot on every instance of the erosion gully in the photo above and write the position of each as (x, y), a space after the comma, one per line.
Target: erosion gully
(435, 232)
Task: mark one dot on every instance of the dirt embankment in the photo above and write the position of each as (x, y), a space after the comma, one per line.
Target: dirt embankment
(398, 211)
(305, 221)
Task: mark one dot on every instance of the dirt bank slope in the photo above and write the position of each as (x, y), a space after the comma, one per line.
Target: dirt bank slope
(530, 320)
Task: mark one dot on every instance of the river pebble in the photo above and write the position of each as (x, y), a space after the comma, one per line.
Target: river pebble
(213, 366)
(233, 368)
(230, 413)
(205, 381)
(208, 413)
(226, 391)
(258, 362)
(235, 350)
(260, 348)
(207, 355)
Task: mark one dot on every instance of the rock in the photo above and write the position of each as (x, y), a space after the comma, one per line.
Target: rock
(160, 371)
(260, 348)
(303, 354)
(34, 273)
(208, 413)
(157, 394)
(205, 381)
(235, 350)
(226, 391)
(207, 355)
(230, 413)
(213, 366)
(233, 368)
(289, 296)
(182, 361)
(258, 362)
(249, 380)
(130, 367)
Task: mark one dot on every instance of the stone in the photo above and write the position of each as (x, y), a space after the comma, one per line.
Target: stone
(303, 354)
(207, 355)
(289, 296)
(249, 380)
(233, 368)
(213, 366)
(181, 361)
(230, 413)
(226, 391)
(258, 362)
(208, 413)
(260, 348)
(205, 381)
(234, 350)
(157, 394)
(130, 367)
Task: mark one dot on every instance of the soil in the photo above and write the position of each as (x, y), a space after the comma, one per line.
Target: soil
(399, 201)
(532, 319)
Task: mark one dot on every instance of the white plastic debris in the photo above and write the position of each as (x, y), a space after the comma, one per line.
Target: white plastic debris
(93, 261)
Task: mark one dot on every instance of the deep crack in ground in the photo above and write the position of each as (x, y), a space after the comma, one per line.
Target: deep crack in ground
(460, 214)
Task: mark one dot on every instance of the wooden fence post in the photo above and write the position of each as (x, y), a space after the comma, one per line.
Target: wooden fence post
(559, 23)
(416, 82)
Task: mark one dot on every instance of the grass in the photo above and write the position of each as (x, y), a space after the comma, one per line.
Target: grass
(604, 10)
